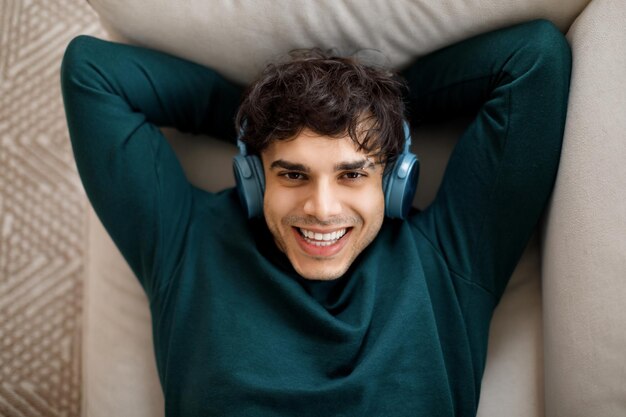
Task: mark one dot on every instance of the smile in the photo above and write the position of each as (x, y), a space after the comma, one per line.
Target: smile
(322, 239)
(316, 243)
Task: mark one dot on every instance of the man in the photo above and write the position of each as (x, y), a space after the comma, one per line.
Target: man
(322, 306)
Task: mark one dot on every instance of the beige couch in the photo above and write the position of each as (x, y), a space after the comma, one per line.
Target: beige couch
(558, 338)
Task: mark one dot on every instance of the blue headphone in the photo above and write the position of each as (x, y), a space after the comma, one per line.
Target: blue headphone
(399, 182)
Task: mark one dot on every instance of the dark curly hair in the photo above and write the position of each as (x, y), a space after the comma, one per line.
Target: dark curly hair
(331, 95)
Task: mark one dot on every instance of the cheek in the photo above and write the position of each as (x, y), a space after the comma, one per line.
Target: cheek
(277, 203)
(377, 210)
(374, 215)
(274, 210)
(372, 204)
(269, 206)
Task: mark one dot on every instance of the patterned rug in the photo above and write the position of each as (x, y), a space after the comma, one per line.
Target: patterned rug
(41, 212)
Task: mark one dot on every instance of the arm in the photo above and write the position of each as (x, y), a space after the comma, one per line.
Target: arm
(116, 96)
(501, 173)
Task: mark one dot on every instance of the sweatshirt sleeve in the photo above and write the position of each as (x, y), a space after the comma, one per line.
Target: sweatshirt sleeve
(116, 96)
(500, 175)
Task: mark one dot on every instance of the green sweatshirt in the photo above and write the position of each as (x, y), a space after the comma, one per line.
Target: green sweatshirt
(236, 331)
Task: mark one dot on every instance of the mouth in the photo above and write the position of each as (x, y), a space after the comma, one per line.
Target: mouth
(319, 243)
(320, 238)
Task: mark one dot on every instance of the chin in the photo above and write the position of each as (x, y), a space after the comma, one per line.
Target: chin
(319, 272)
(320, 276)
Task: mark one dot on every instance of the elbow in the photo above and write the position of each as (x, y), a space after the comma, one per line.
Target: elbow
(76, 60)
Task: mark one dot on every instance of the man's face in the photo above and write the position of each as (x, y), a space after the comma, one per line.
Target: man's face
(323, 202)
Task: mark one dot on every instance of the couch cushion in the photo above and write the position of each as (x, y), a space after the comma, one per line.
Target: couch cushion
(238, 38)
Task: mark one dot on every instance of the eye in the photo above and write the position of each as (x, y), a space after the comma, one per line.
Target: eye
(293, 176)
(352, 175)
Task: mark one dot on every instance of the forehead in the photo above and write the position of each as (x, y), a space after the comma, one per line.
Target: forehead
(309, 145)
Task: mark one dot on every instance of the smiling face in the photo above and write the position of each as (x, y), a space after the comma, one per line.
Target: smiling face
(323, 202)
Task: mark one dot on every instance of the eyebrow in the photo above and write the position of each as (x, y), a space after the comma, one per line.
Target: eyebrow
(360, 164)
(341, 166)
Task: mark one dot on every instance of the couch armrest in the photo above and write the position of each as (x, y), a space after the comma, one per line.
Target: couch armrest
(585, 237)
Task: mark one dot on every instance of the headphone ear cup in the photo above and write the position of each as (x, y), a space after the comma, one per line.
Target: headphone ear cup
(250, 181)
(399, 186)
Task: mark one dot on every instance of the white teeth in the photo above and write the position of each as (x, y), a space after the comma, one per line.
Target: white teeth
(322, 239)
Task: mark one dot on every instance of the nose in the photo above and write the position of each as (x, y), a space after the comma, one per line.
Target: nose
(323, 201)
